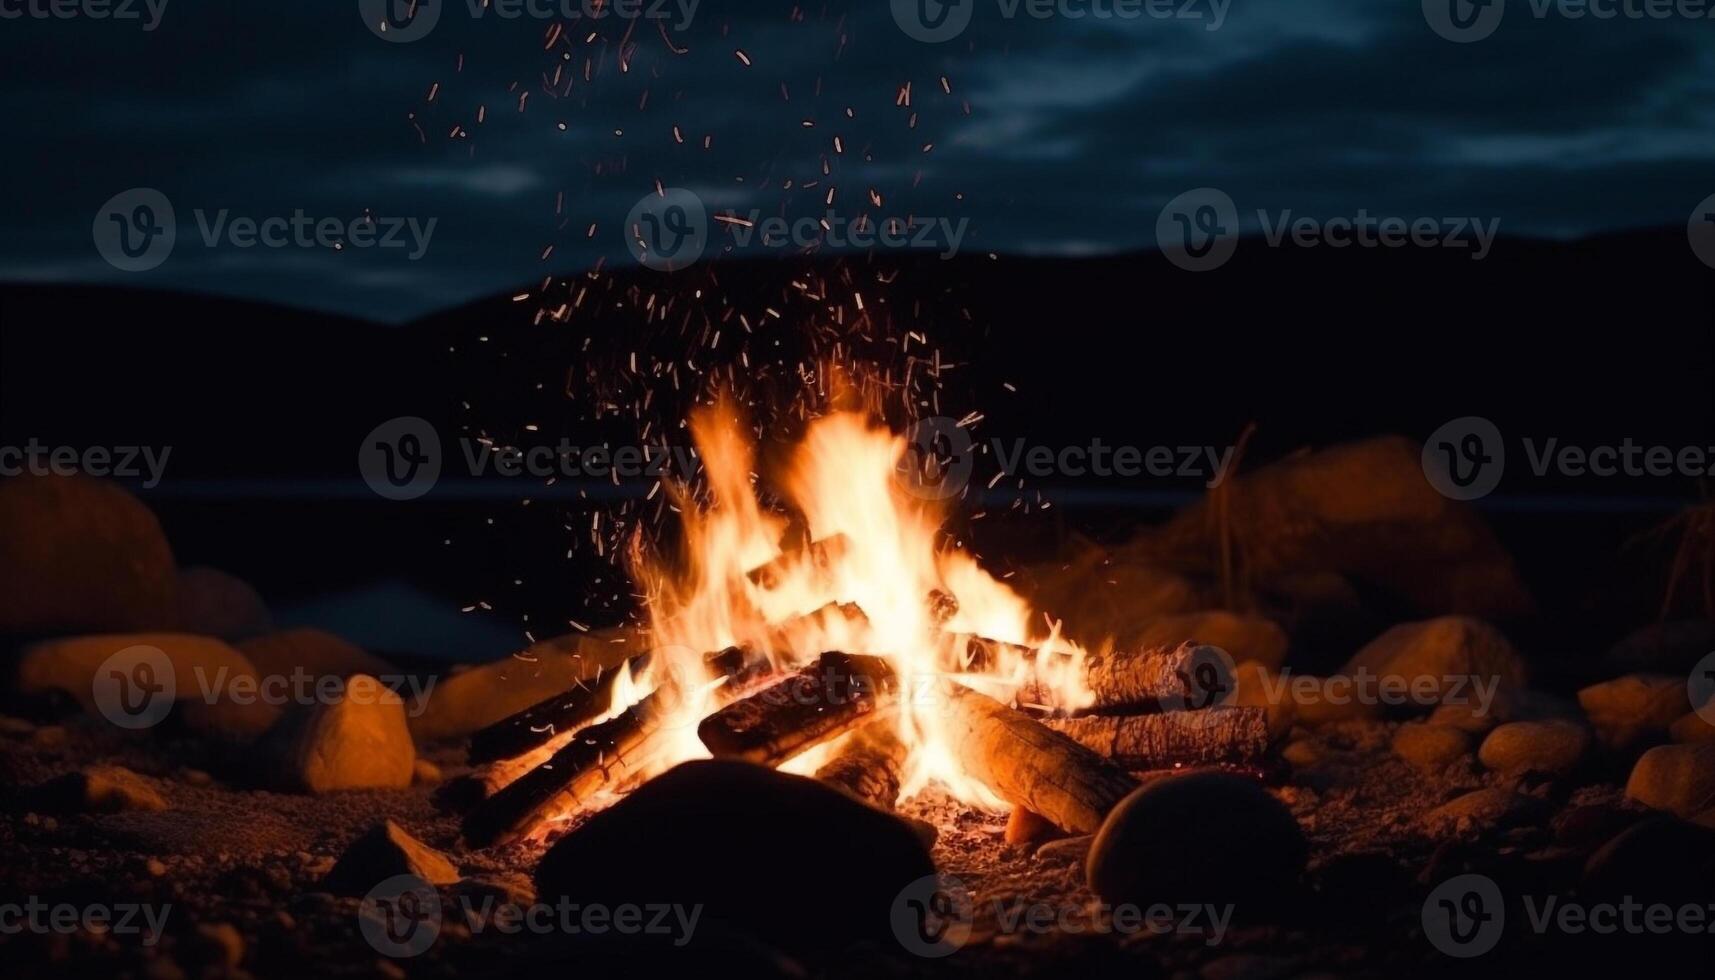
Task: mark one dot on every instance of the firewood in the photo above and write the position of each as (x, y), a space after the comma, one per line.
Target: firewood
(1231, 736)
(820, 702)
(597, 757)
(821, 556)
(1032, 766)
(870, 766)
(1190, 676)
(564, 713)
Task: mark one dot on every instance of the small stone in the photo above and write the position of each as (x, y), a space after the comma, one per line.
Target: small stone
(504, 887)
(1302, 753)
(1430, 748)
(358, 741)
(1469, 718)
(1631, 709)
(1025, 827)
(1693, 728)
(1207, 836)
(382, 852)
(16, 727)
(1486, 809)
(426, 773)
(1553, 747)
(1067, 850)
(104, 789)
(1451, 659)
(196, 777)
(217, 945)
(1677, 778)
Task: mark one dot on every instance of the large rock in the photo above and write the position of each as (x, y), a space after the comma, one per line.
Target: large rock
(1676, 778)
(383, 851)
(781, 857)
(1636, 708)
(1431, 748)
(79, 555)
(1244, 637)
(1453, 658)
(1364, 510)
(1204, 837)
(214, 688)
(472, 699)
(215, 603)
(314, 652)
(357, 741)
(1554, 747)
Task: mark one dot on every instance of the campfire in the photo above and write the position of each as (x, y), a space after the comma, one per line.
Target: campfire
(849, 638)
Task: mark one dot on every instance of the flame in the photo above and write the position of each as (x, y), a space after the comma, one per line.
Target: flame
(866, 575)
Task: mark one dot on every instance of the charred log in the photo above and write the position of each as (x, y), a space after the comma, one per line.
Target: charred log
(870, 766)
(1219, 736)
(836, 694)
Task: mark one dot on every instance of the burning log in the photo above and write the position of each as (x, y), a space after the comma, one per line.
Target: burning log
(820, 702)
(563, 713)
(597, 757)
(821, 556)
(1030, 765)
(1190, 676)
(1232, 736)
(870, 766)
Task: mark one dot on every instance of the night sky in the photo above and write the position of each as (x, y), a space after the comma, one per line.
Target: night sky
(1077, 131)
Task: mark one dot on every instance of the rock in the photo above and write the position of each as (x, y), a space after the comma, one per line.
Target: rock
(751, 844)
(1483, 810)
(16, 727)
(1637, 707)
(382, 852)
(501, 887)
(1302, 753)
(215, 603)
(1670, 648)
(80, 555)
(1454, 659)
(1067, 850)
(51, 738)
(1430, 748)
(1468, 718)
(314, 652)
(359, 741)
(1693, 728)
(1025, 827)
(1257, 686)
(103, 789)
(1659, 860)
(1205, 837)
(426, 773)
(1554, 747)
(1364, 510)
(473, 699)
(198, 668)
(1243, 637)
(1589, 825)
(1677, 778)
(216, 945)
